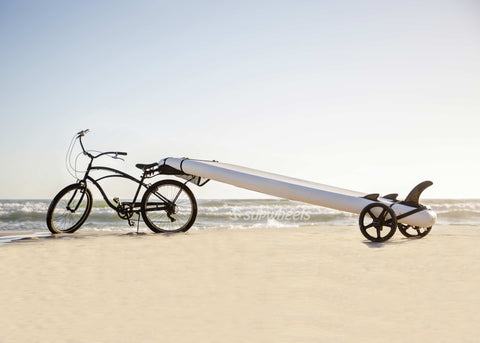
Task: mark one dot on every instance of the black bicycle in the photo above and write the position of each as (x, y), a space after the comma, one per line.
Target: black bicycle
(166, 205)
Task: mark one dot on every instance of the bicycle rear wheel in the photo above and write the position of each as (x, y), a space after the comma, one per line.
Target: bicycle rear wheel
(69, 209)
(169, 206)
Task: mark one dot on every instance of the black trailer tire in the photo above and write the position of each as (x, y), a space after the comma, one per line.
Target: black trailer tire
(413, 231)
(378, 222)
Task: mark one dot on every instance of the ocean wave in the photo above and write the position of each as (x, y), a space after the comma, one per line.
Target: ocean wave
(231, 213)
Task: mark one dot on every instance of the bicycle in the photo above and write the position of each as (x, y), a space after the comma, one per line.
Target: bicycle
(166, 206)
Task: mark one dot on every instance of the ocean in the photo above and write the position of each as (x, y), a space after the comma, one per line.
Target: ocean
(29, 215)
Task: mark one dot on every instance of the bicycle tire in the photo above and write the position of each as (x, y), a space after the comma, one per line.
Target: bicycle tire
(178, 215)
(62, 219)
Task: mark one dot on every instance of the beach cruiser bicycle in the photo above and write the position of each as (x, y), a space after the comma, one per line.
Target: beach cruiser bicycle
(166, 205)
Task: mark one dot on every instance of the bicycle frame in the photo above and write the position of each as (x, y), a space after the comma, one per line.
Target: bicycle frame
(126, 209)
(116, 174)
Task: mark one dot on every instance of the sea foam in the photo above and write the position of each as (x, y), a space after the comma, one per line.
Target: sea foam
(22, 215)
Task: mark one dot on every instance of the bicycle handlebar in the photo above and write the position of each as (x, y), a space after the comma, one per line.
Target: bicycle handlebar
(115, 153)
(83, 132)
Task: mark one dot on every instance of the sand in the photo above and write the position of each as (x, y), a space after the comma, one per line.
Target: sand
(320, 284)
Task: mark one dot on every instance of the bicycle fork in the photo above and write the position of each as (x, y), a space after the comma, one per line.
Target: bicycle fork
(69, 208)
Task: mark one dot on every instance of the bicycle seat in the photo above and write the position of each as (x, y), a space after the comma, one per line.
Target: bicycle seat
(143, 166)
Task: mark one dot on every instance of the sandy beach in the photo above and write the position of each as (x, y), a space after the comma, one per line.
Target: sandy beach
(319, 284)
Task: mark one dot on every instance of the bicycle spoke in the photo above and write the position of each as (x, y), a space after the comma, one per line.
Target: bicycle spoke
(69, 209)
(168, 207)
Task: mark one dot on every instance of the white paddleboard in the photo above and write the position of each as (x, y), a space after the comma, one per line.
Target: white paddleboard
(296, 189)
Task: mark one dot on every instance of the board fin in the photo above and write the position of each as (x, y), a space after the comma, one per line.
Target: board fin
(414, 196)
(373, 196)
(391, 196)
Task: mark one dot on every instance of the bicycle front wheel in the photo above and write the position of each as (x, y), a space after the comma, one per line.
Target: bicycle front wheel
(169, 206)
(69, 209)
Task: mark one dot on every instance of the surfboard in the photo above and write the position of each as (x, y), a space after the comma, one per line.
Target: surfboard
(409, 211)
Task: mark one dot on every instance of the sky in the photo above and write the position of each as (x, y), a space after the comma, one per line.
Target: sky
(374, 96)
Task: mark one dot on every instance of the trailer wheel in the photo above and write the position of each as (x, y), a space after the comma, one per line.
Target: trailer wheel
(378, 222)
(413, 231)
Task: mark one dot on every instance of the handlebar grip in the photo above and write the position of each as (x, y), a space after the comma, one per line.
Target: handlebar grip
(122, 153)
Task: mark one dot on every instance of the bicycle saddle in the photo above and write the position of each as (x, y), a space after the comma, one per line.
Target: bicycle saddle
(143, 166)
